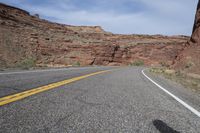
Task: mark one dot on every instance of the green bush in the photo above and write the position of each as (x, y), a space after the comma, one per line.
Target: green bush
(137, 63)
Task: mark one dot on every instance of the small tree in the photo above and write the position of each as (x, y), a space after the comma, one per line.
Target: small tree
(37, 15)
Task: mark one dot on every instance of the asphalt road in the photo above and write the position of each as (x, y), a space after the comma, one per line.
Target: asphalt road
(122, 100)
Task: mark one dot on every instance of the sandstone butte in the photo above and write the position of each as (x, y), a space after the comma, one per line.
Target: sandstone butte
(24, 36)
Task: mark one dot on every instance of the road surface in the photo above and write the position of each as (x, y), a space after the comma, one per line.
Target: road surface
(120, 100)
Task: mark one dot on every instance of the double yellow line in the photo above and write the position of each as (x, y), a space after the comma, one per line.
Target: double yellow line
(21, 95)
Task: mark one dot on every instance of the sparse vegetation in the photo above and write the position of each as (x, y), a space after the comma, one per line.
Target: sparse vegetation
(137, 63)
(188, 81)
(37, 15)
(164, 64)
(157, 70)
(77, 64)
(189, 64)
(27, 63)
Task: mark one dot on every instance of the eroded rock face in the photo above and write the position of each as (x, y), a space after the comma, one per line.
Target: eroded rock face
(189, 59)
(195, 38)
(23, 36)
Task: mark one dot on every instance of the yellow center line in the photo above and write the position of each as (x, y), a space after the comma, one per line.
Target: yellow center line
(15, 97)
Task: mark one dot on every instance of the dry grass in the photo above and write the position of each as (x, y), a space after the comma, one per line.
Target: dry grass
(191, 81)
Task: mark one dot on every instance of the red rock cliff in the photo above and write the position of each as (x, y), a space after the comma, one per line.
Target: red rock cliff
(189, 58)
(24, 37)
(195, 38)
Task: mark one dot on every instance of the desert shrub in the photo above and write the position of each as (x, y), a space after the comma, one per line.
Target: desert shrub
(27, 63)
(37, 15)
(137, 63)
(189, 64)
(77, 64)
(157, 70)
(163, 64)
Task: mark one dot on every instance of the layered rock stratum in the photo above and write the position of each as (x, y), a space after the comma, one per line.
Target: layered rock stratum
(189, 59)
(24, 36)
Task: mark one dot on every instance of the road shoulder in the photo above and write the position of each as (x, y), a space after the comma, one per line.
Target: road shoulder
(185, 94)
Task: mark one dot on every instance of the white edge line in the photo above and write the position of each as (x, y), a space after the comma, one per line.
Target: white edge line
(175, 97)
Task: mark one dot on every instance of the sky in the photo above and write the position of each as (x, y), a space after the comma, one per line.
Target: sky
(167, 17)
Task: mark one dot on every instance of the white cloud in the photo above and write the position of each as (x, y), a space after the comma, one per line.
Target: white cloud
(162, 17)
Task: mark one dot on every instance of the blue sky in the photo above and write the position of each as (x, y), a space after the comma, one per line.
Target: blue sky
(168, 17)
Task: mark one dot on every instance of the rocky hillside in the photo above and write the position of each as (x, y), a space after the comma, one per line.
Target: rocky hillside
(189, 59)
(27, 39)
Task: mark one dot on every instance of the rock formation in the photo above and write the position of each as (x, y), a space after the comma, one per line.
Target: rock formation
(27, 37)
(189, 58)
